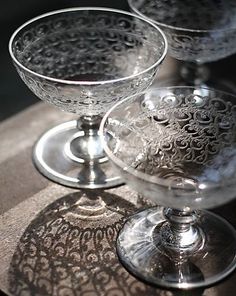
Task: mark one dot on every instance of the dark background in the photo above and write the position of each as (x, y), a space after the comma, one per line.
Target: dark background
(14, 95)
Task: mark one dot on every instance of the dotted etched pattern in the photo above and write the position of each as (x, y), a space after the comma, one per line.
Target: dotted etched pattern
(87, 46)
(176, 134)
(208, 15)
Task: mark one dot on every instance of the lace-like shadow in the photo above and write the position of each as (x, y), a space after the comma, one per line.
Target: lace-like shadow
(69, 249)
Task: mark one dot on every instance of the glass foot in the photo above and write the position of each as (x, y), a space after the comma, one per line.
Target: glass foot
(55, 158)
(142, 251)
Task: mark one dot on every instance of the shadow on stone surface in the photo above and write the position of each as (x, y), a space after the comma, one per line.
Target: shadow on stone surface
(69, 249)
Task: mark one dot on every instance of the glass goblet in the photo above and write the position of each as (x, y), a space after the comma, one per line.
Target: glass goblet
(82, 60)
(198, 32)
(177, 147)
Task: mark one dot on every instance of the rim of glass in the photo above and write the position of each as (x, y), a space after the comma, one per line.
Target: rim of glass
(149, 178)
(84, 82)
(131, 4)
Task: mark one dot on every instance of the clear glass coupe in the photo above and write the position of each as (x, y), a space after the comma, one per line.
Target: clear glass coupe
(177, 147)
(83, 60)
(198, 32)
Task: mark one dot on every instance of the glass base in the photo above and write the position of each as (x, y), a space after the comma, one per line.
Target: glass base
(141, 250)
(54, 157)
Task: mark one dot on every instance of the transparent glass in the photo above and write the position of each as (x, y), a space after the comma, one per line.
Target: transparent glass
(83, 60)
(177, 147)
(198, 32)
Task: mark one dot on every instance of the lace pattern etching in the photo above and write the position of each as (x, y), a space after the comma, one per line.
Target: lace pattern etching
(208, 26)
(83, 46)
(170, 135)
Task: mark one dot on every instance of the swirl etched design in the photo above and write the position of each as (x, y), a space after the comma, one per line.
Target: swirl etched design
(77, 49)
(177, 146)
(180, 131)
(178, 135)
(201, 31)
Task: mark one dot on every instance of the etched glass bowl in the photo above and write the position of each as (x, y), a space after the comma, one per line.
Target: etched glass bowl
(177, 147)
(197, 32)
(83, 60)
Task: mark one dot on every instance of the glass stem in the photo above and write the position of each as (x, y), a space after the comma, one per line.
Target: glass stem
(89, 124)
(194, 73)
(180, 234)
(85, 146)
